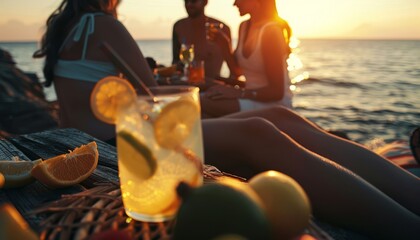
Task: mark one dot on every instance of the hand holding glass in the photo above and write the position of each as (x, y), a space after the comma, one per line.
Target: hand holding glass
(212, 28)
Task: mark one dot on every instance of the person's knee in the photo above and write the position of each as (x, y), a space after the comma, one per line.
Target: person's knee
(257, 126)
(284, 112)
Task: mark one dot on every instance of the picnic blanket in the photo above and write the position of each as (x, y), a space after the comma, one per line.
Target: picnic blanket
(399, 152)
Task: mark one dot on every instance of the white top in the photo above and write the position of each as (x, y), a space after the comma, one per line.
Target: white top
(253, 67)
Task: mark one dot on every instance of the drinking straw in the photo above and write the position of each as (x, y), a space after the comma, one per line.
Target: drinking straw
(125, 69)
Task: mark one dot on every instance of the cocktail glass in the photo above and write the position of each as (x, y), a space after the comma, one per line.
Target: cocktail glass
(186, 55)
(159, 144)
(196, 73)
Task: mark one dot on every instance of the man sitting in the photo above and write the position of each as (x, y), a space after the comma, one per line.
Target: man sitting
(192, 30)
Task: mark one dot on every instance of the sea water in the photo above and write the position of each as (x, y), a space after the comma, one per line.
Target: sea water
(368, 89)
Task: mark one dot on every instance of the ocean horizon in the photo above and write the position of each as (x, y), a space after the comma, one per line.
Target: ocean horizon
(367, 88)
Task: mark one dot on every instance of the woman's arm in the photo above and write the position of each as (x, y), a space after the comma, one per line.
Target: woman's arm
(274, 57)
(224, 40)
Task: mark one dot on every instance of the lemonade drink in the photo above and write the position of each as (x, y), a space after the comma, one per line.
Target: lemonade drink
(159, 144)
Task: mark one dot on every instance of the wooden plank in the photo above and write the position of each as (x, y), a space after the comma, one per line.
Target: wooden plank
(8, 150)
(45, 145)
(51, 143)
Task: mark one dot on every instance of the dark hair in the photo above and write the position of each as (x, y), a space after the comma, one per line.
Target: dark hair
(58, 26)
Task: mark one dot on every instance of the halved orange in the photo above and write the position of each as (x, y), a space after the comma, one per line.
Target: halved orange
(68, 169)
(108, 95)
(1, 180)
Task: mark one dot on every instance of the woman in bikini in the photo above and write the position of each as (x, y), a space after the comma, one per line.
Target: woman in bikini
(75, 61)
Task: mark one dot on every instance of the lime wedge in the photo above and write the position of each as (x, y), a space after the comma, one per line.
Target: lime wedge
(174, 123)
(135, 156)
(17, 173)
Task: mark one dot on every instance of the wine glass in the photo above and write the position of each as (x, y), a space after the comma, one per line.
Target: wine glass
(186, 55)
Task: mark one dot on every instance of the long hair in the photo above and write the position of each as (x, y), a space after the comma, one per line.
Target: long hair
(57, 28)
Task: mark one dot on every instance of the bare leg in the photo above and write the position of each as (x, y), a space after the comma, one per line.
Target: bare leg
(337, 195)
(394, 181)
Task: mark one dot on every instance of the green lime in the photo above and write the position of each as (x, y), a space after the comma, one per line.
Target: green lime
(135, 156)
(17, 173)
(175, 122)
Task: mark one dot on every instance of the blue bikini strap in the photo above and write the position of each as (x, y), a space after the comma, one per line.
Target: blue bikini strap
(86, 21)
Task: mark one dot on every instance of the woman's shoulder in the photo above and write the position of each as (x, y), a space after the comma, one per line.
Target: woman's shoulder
(273, 25)
(106, 19)
(109, 24)
(272, 28)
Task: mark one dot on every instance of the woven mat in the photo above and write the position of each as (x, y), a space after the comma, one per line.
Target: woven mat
(78, 216)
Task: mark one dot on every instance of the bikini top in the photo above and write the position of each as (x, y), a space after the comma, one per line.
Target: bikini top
(84, 69)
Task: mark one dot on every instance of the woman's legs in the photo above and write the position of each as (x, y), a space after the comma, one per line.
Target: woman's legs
(386, 176)
(337, 195)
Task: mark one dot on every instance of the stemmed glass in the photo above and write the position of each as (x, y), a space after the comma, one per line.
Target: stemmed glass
(186, 55)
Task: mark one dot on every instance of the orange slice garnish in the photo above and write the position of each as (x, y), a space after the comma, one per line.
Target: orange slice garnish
(174, 124)
(68, 169)
(108, 95)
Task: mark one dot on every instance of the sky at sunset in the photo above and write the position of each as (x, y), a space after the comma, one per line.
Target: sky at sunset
(23, 20)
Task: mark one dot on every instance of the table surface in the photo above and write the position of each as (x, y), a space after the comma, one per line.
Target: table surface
(46, 145)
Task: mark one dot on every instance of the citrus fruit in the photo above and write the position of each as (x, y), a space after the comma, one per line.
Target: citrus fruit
(175, 122)
(135, 156)
(13, 225)
(287, 206)
(215, 209)
(68, 169)
(242, 187)
(108, 95)
(1, 180)
(17, 173)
